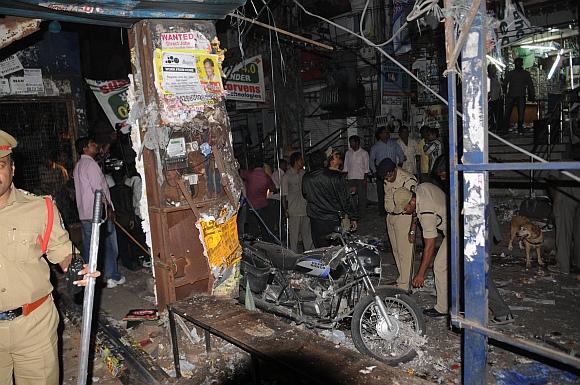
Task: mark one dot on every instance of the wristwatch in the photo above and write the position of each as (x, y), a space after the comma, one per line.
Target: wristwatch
(412, 232)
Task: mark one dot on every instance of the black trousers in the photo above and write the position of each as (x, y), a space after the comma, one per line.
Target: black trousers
(494, 114)
(520, 103)
(321, 229)
(381, 195)
(255, 225)
(272, 218)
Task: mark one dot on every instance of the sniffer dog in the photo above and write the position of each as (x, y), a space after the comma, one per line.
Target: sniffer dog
(530, 237)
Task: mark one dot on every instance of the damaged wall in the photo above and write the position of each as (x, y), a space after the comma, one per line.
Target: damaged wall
(191, 175)
(49, 66)
(15, 28)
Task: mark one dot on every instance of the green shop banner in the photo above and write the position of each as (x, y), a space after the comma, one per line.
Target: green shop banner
(112, 96)
(246, 81)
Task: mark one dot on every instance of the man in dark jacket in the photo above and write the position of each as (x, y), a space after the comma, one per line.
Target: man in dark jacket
(327, 197)
(122, 197)
(517, 82)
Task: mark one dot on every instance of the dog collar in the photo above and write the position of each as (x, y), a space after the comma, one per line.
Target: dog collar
(534, 243)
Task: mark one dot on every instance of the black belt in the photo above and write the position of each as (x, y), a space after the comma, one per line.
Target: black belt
(23, 310)
(10, 314)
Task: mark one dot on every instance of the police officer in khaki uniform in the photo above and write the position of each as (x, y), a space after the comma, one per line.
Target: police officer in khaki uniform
(28, 317)
(398, 223)
(428, 205)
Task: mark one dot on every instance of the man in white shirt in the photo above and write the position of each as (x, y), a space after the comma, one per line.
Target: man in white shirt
(356, 165)
(409, 147)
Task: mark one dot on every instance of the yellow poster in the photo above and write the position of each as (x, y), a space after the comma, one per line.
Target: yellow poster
(223, 251)
(209, 74)
(221, 242)
(191, 76)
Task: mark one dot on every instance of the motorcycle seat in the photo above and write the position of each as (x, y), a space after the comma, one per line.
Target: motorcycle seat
(281, 258)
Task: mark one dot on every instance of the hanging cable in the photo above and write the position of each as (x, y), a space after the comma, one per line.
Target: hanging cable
(422, 7)
(361, 23)
(282, 61)
(243, 56)
(277, 159)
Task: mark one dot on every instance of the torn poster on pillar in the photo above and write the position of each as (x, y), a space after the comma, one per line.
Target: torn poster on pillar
(223, 251)
(474, 215)
(192, 40)
(187, 78)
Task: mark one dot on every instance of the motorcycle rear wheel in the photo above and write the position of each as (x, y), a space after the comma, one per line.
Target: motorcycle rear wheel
(371, 335)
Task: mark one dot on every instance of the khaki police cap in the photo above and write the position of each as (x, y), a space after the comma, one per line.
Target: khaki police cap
(7, 143)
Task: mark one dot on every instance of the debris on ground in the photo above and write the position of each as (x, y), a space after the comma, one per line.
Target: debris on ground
(367, 370)
(141, 314)
(533, 373)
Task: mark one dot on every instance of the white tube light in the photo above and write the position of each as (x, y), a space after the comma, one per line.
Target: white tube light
(556, 62)
(571, 72)
(500, 66)
(539, 47)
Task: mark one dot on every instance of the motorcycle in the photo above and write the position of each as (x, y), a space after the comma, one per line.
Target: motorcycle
(324, 287)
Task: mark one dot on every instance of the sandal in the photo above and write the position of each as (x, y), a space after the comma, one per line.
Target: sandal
(502, 320)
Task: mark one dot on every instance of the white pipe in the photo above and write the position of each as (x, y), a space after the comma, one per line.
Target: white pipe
(499, 65)
(556, 62)
(571, 72)
(541, 47)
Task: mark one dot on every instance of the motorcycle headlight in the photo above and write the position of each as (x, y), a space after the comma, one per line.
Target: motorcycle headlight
(370, 261)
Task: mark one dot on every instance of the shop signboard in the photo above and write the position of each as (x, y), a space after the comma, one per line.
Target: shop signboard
(401, 43)
(514, 25)
(112, 96)
(246, 81)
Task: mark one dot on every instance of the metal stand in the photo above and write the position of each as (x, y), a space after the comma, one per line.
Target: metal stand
(174, 343)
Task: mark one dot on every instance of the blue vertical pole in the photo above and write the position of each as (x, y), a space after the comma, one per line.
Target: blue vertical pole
(475, 198)
(453, 174)
(453, 194)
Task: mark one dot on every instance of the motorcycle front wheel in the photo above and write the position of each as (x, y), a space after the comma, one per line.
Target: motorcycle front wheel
(372, 336)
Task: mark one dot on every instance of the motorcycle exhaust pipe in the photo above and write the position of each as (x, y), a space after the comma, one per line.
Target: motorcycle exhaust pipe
(272, 308)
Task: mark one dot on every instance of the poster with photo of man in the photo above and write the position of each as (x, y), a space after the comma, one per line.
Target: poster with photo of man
(209, 75)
